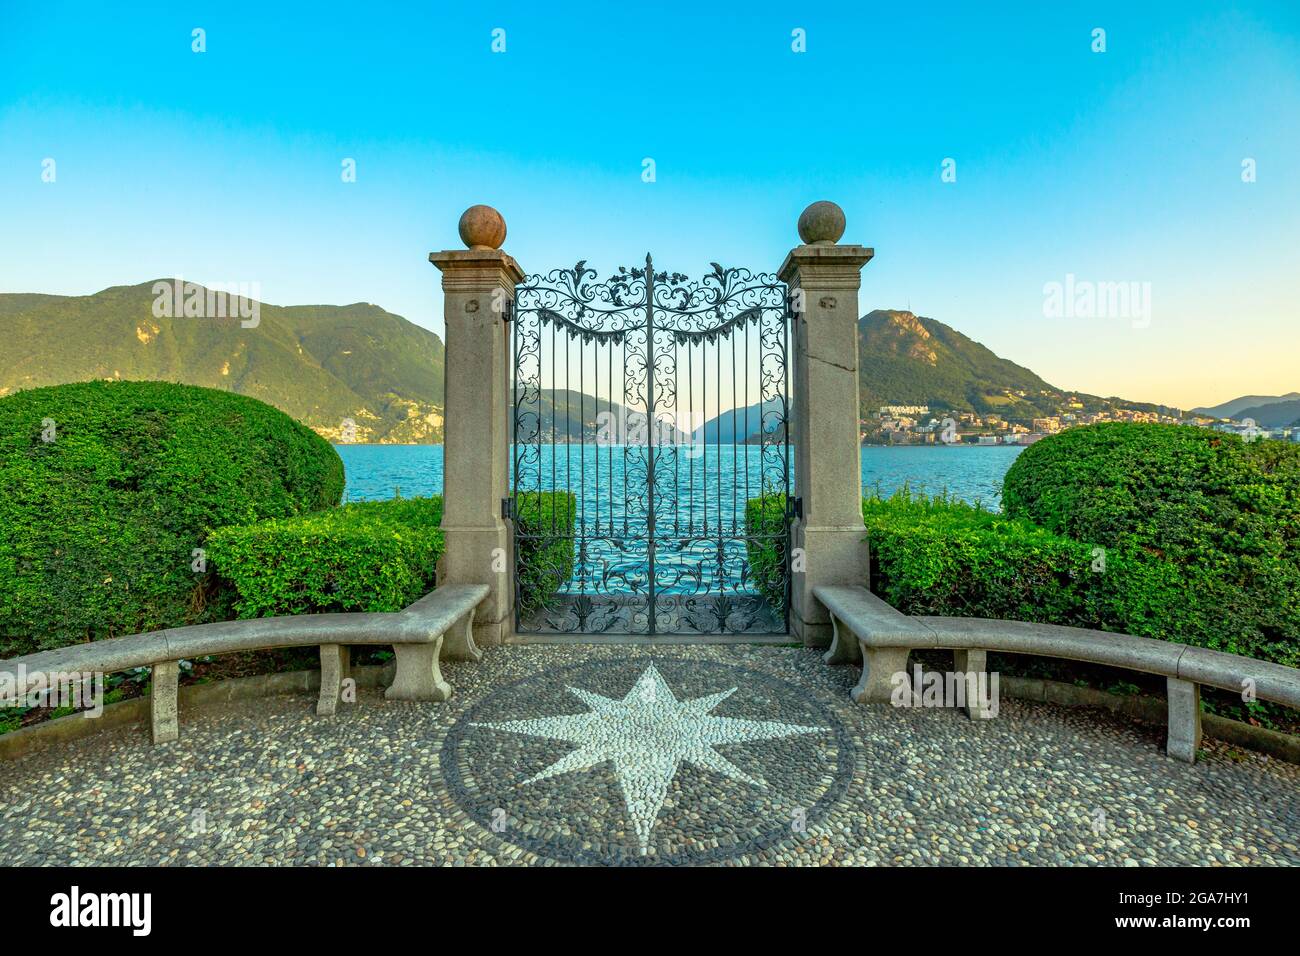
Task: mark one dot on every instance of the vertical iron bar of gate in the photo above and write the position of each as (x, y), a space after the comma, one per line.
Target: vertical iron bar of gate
(650, 431)
(513, 490)
(579, 523)
(790, 319)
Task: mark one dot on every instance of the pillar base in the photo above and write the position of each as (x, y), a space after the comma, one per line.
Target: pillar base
(828, 555)
(479, 555)
(492, 633)
(813, 634)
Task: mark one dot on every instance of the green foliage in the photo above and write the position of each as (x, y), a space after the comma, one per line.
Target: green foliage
(1201, 530)
(766, 540)
(366, 556)
(99, 525)
(545, 543)
(942, 556)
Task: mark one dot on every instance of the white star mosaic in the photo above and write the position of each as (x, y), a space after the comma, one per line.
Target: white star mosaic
(646, 736)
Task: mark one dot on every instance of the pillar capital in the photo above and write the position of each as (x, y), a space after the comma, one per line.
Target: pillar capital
(477, 270)
(825, 266)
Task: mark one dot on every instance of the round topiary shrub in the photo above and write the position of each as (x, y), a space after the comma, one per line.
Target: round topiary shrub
(1201, 529)
(108, 490)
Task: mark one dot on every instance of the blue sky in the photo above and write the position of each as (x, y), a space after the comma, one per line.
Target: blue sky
(1114, 167)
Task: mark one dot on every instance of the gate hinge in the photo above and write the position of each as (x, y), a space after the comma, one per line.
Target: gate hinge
(795, 507)
(507, 508)
(508, 311)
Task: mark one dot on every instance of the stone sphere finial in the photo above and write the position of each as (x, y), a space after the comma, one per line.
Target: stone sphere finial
(821, 224)
(482, 227)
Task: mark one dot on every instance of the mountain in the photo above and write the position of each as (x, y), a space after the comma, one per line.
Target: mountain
(1241, 407)
(326, 365)
(1272, 415)
(740, 424)
(570, 415)
(906, 359)
(322, 364)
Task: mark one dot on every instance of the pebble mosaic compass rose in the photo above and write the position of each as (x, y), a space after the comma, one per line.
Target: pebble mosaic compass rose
(660, 762)
(646, 736)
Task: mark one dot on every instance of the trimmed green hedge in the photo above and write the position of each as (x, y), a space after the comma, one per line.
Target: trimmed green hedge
(99, 524)
(942, 556)
(765, 544)
(546, 548)
(377, 556)
(1201, 529)
(366, 556)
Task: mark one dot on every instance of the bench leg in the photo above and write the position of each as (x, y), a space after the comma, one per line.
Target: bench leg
(844, 645)
(335, 668)
(418, 675)
(162, 702)
(460, 644)
(973, 665)
(1184, 719)
(879, 665)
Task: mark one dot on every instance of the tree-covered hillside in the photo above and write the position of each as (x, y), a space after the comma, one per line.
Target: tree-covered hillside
(905, 359)
(322, 364)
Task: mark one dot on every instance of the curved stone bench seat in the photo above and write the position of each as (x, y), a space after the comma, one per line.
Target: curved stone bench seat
(438, 625)
(869, 631)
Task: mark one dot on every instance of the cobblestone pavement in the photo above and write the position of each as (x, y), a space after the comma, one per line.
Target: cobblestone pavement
(638, 755)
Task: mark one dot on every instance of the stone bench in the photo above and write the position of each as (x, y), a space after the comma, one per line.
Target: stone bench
(866, 630)
(438, 625)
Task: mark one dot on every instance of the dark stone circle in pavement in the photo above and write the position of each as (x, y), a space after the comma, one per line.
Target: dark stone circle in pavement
(582, 816)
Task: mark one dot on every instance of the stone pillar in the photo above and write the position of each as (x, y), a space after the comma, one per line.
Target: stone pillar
(828, 539)
(478, 283)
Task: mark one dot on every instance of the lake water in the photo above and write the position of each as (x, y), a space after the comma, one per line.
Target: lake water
(697, 563)
(972, 473)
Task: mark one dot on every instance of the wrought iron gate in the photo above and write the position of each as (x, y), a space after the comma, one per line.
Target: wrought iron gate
(651, 458)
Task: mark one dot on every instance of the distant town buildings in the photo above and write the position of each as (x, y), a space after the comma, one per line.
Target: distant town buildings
(1250, 431)
(917, 425)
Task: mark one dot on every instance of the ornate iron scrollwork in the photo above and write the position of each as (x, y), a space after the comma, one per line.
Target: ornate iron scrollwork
(615, 383)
